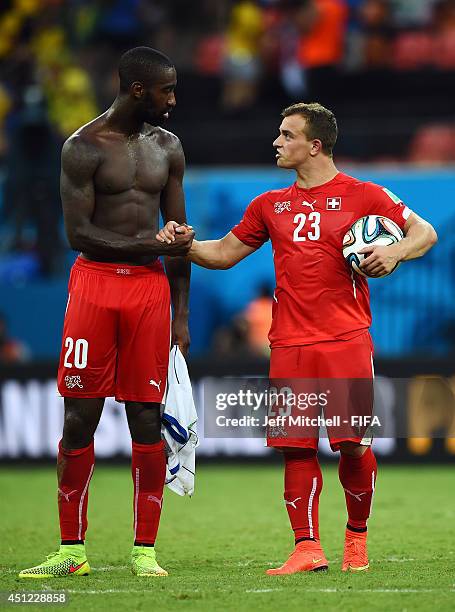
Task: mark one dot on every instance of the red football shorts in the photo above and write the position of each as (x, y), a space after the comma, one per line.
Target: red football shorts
(336, 379)
(116, 333)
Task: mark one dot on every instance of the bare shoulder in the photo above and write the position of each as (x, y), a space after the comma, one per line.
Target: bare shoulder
(167, 140)
(78, 146)
(80, 154)
(82, 147)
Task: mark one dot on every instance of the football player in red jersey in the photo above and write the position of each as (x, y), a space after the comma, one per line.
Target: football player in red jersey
(321, 311)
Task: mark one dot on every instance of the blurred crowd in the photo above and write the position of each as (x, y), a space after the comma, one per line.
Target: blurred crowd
(58, 62)
(246, 333)
(69, 48)
(12, 350)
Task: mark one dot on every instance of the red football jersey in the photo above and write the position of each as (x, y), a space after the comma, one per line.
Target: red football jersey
(317, 297)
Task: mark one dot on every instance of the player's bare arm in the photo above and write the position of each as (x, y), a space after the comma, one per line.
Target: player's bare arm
(178, 269)
(420, 236)
(81, 160)
(218, 254)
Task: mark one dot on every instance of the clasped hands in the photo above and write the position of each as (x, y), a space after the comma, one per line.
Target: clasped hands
(178, 235)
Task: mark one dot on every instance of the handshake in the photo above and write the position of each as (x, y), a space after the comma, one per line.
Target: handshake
(178, 236)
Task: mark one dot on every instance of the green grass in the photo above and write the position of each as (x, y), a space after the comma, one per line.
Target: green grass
(217, 545)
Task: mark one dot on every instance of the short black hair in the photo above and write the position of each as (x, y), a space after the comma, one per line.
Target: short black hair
(320, 123)
(142, 64)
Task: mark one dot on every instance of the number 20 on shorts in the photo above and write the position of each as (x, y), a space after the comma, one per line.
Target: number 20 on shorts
(80, 353)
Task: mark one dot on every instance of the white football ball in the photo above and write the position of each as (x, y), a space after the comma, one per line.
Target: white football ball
(373, 230)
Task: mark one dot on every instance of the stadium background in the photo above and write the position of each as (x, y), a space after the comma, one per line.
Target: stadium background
(387, 69)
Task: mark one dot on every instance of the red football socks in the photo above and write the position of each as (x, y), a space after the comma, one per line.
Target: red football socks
(358, 478)
(302, 488)
(148, 469)
(74, 471)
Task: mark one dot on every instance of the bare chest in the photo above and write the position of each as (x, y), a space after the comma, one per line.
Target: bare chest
(138, 164)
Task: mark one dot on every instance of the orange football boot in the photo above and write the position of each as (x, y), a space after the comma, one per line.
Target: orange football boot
(355, 557)
(307, 556)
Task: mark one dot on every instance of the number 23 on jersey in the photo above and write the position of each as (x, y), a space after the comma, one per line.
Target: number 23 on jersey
(307, 226)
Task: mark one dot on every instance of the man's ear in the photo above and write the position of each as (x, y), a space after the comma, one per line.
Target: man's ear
(137, 89)
(316, 147)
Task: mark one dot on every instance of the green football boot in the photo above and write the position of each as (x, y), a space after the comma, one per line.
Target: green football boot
(144, 563)
(68, 561)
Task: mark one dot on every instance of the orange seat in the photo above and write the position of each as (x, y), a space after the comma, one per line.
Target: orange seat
(433, 144)
(444, 50)
(412, 50)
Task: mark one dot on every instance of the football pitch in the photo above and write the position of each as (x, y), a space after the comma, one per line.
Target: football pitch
(217, 545)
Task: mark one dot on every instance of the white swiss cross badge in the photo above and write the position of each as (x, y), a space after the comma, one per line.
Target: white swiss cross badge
(333, 204)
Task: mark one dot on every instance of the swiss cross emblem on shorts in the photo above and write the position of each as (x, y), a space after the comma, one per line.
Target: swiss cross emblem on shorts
(333, 204)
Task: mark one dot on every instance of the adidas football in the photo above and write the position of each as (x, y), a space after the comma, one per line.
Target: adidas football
(373, 230)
